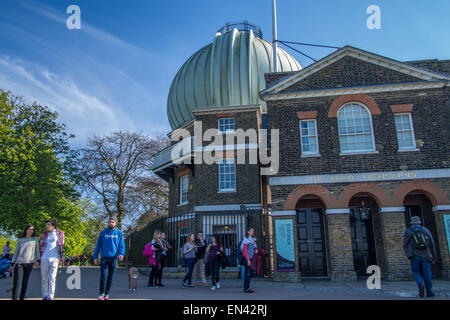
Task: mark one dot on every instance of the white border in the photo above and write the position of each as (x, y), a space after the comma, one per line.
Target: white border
(283, 213)
(392, 209)
(338, 211)
(360, 177)
(224, 207)
(441, 207)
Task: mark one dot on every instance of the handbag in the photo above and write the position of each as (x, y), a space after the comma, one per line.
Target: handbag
(206, 258)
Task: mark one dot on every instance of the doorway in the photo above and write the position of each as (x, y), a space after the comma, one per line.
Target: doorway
(362, 211)
(311, 242)
(417, 204)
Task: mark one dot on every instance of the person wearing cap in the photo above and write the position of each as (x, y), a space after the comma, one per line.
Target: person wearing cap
(421, 258)
(111, 246)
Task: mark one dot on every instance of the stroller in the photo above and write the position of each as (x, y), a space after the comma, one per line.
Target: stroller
(5, 266)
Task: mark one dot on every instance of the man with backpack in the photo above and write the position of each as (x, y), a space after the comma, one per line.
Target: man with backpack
(419, 247)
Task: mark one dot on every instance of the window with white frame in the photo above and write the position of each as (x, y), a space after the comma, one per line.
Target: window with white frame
(226, 125)
(355, 129)
(184, 189)
(405, 131)
(227, 175)
(308, 137)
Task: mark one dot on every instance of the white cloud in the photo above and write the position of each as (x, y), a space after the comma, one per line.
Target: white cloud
(99, 34)
(84, 113)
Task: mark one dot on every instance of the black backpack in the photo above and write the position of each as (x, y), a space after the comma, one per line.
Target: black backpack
(239, 253)
(419, 237)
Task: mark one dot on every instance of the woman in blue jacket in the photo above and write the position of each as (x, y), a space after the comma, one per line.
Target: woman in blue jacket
(111, 246)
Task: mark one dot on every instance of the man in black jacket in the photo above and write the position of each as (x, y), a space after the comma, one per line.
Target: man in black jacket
(421, 258)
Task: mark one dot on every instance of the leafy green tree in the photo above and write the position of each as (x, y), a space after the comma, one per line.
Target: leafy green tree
(37, 170)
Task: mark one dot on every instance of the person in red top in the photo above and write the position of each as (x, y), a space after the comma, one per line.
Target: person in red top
(249, 251)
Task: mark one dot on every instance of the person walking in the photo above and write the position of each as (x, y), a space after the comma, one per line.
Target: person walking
(166, 246)
(215, 252)
(200, 263)
(189, 250)
(25, 256)
(7, 248)
(51, 249)
(419, 247)
(111, 246)
(157, 249)
(249, 250)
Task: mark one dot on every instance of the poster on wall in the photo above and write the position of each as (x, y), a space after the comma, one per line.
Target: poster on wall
(284, 235)
(447, 229)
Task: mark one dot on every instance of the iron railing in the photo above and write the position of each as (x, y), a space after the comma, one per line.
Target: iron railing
(229, 227)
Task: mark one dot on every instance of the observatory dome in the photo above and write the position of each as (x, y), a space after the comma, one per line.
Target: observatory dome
(227, 72)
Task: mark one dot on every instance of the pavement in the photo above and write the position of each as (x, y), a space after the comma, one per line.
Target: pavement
(231, 289)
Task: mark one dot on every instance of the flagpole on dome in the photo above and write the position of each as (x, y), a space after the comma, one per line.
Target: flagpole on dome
(274, 35)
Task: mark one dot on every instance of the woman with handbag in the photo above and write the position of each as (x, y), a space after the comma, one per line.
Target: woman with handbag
(156, 268)
(215, 252)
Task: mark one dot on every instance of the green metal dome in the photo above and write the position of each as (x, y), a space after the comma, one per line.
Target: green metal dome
(227, 72)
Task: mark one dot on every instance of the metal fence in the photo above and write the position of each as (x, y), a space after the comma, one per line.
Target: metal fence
(229, 227)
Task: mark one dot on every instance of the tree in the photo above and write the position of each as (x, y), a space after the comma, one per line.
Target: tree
(112, 165)
(37, 167)
(149, 200)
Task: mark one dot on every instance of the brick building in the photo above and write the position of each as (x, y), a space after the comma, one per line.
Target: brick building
(364, 145)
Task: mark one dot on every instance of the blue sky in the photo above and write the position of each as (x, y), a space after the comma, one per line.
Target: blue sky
(115, 73)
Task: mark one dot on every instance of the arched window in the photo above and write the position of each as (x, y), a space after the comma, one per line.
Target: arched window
(355, 129)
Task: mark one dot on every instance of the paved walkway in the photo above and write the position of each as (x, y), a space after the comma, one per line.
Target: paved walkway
(265, 289)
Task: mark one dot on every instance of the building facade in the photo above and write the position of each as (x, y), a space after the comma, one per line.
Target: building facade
(364, 146)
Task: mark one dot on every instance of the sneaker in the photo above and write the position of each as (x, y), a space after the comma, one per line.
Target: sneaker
(218, 285)
(102, 297)
(213, 288)
(250, 291)
(107, 297)
(421, 291)
(183, 284)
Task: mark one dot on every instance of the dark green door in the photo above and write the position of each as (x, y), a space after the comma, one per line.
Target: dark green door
(311, 243)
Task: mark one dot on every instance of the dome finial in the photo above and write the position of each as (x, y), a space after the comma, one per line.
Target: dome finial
(241, 26)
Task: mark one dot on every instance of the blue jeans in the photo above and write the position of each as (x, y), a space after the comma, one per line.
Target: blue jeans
(242, 274)
(107, 269)
(190, 264)
(247, 277)
(421, 269)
